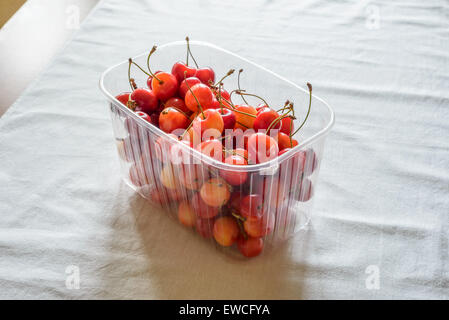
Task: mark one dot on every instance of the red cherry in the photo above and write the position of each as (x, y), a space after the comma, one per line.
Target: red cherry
(185, 84)
(228, 118)
(145, 99)
(165, 89)
(260, 107)
(284, 141)
(234, 201)
(205, 227)
(155, 119)
(260, 227)
(264, 118)
(176, 103)
(211, 148)
(143, 115)
(123, 97)
(208, 124)
(261, 148)
(201, 208)
(252, 206)
(178, 70)
(171, 119)
(223, 94)
(150, 78)
(250, 247)
(206, 75)
(305, 191)
(204, 95)
(287, 125)
(234, 178)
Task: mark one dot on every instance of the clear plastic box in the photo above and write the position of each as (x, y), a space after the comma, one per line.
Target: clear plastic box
(286, 185)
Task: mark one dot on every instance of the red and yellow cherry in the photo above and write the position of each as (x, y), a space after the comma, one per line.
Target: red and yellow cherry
(250, 247)
(259, 227)
(179, 69)
(215, 192)
(252, 206)
(124, 149)
(234, 201)
(208, 124)
(185, 84)
(228, 117)
(201, 208)
(223, 94)
(287, 125)
(171, 119)
(162, 147)
(169, 177)
(203, 94)
(206, 75)
(186, 214)
(150, 79)
(205, 227)
(226, 231)
(261, 148)
(176, 103)
(264, 118)
(234, 178)
(211, 148)
(284, 142)
(145, 99)
(165, 86)
(241, 152)
(123, 97)
(243, 120)
(191, 176)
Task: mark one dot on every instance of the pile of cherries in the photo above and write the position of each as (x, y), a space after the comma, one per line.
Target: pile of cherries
(197, 111)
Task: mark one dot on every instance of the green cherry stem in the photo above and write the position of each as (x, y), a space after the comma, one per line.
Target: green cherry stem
(308, 111)
(190, 52)
(148, 64)
(238, 85)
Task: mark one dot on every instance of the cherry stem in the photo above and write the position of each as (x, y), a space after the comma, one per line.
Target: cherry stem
(220, 84)
(148, 64)
(238, 217)
(241, 92)
(190, 52)
(287, 103)
(141, 69)
(190, 89)
(233, 152)
(308, 111)
(187, 129)
(129, 75)
(238, 84)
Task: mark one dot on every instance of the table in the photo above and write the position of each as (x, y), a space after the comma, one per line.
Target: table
(380, 225)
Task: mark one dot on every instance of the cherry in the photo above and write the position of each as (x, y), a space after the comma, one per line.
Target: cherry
(241, 152)
(259, 227)
(145, 99)
(208, 124)
(164, 86)
(252, 206)
(262, 148)
(155, 119)
(215, 104)
(265, 117)
(201, 208)
(206, 75)
(186, 214)
(235, 178)
(179, 69)
(192, 175)
(273, 190)
(199, 93)
(228, 117)
(226, 231)
(185, 84)
(250, 247)
(123, 97)
(284, 141)
(150, 79)
(211, 148)
(287, 125)
(215, 192)
(306, 191)
(143, 115)
(223, 94)
(171, 119)
(245, 116)
(205, 227)
(169, 178)
(260, 107)
(176, 103)
(234, 201)
(310, 161)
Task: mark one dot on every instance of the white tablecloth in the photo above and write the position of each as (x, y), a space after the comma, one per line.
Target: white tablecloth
(381, 215)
